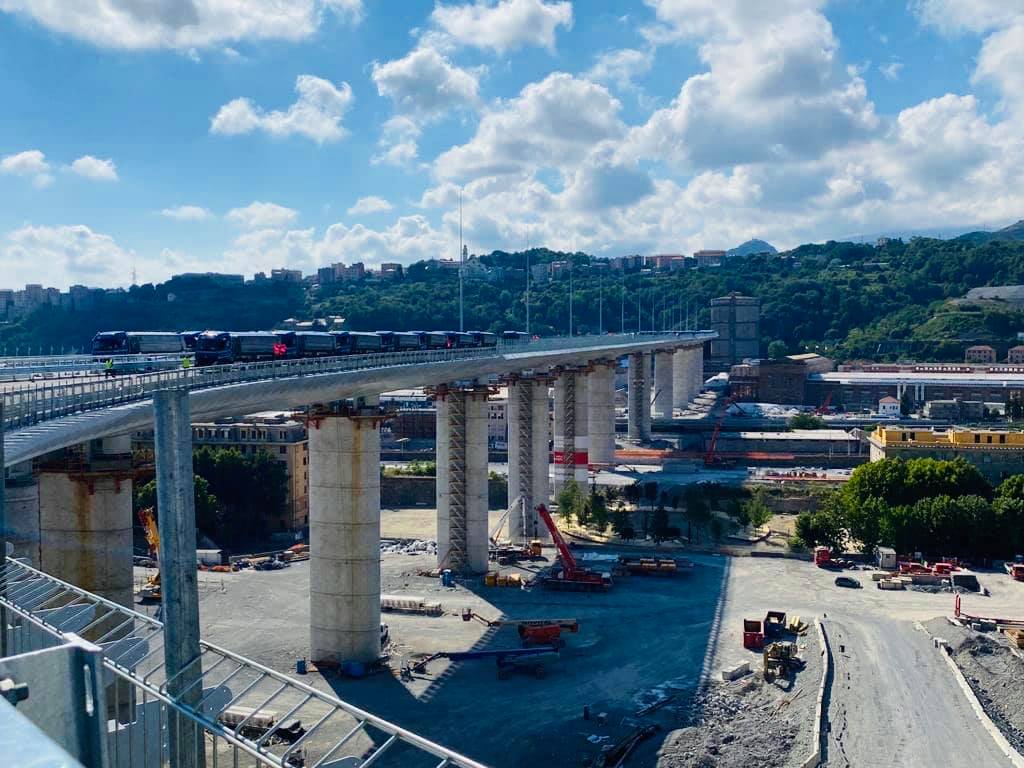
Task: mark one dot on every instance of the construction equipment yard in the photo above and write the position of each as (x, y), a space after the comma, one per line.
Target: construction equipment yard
(639, 682)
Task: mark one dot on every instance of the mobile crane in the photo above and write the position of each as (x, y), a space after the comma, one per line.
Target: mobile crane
(569, 575)
(531, 631)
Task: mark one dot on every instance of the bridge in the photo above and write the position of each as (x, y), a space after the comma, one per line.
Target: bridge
(67, 454)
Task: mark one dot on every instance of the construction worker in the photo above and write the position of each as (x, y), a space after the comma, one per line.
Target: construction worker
(108, 367)
(186, 363)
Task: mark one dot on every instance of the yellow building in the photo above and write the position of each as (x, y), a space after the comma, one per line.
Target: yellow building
(996, 453)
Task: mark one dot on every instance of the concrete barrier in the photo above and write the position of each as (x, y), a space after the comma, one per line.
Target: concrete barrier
(1015, 757)
(814, 758)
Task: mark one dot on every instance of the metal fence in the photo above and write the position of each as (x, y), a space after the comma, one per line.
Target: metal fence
(39, 402)
(247, 714)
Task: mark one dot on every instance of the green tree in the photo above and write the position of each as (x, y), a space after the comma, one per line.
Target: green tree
(570, 501)
(598, 512)
(807, 421)
(777, 349)
(756, 511)
(208, 517)
(659, 523)
(907, 405)
(822, 527)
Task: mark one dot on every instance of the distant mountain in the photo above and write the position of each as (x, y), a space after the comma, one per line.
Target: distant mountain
(1012, 232)
(751, 247)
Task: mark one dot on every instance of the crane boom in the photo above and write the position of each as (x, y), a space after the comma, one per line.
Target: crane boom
(564, 553)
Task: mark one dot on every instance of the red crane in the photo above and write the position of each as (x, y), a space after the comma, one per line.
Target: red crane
(710, 459)
(571, 575)
(823, 408)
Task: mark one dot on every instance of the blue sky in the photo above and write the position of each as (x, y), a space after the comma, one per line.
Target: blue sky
(240, 135)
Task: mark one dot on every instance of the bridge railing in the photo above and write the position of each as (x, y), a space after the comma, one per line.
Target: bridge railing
(29, 404)
(247, 713)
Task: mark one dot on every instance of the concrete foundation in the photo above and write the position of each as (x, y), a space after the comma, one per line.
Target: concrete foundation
(344, 535)
(528, 456)
(663, 385)
(85, 518)
(462, 480)
(601, 425)
(571, 457)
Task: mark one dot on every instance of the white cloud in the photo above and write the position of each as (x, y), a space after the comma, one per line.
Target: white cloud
(891, 71)
(425, 83)
(774, 90)
(621, 67)
(505, 25)
(316, 114)
(957, 16)
(31, 164)
(72, 254)
(552, 123)
(259, 215)
(1001, 62)
(368, 205)
(94, 168)
(181, 24)
(187, 213)
(398, 142)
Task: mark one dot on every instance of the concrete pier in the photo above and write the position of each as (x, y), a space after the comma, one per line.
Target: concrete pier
(85, 517)
(528, 456)
(462, 479)
(176, 514)
(637, 398)
(21, 504)
(682, 391)
(697, 371)
(344, 532)
(601, 426)
(663, 384)
(571, 455)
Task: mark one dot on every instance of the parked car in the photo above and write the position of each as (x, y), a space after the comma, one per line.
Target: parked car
(847, 581)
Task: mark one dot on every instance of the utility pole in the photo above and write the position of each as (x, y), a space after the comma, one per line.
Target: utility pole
(639, 304)
(622, 308)
(570, 296)
(600, 305)
(462, 268)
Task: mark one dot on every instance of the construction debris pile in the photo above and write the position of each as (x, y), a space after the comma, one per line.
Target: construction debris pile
(745, 723)
(994, 668)
(408, 546)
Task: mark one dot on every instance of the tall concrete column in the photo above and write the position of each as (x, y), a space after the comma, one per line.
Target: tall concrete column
(85, 517)
(462, 479)
(528, 456)
(344, 532)
(601, 426)
(637, 426)
(697, 371)
(681, 378)
(176, 515)
(645, 412)
(664, 394)
(21, 506)
(571, 456)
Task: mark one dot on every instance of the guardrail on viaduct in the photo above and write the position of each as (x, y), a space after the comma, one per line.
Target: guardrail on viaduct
(40, 402)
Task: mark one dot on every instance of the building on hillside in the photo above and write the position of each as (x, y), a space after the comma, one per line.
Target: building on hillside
(626, 263)
(1015, 355)
(539, 273)
(737, 319)
(888, 406)
(391, 270)
(275, 432)
(996, 453)
(709, 258)
(860, 388)
(980, 353)
(286, 275)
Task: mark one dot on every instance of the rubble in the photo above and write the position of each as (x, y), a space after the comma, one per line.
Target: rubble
(408, 546)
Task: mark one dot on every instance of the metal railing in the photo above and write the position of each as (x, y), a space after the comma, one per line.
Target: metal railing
(40, 402)
(247, 711)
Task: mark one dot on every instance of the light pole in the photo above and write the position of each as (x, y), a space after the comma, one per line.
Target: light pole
(462, 267)
(600, 305)
(570, 296)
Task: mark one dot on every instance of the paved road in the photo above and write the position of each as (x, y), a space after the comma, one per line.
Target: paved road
(895, 702)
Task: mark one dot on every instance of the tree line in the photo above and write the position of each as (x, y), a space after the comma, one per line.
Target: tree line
(930, 506)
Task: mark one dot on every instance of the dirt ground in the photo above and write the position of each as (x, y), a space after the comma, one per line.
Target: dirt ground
(646, 640)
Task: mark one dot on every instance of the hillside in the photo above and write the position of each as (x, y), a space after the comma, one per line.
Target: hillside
(847, 300)
(751, 247)
(1013, 232)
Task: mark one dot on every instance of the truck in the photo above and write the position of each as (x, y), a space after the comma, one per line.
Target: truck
(1016, 571)
(308, 343)
(226, 347)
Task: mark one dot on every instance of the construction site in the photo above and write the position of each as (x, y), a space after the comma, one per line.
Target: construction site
(570, 654)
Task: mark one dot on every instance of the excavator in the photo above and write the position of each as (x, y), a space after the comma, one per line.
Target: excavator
(150, 591)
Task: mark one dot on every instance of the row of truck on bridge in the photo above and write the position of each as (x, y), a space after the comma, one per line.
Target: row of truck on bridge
(225, 347)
